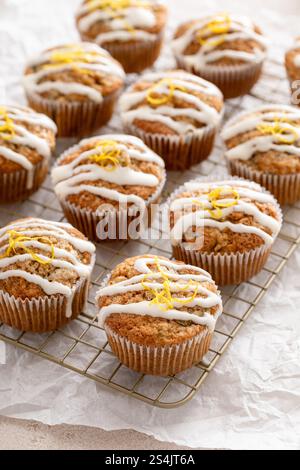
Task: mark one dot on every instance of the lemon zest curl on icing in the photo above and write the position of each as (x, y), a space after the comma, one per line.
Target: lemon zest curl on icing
(214, 199)
(164, 99)
(116, 5)
(16, 240)
(7, 130)
(109, 158)
(220, 25)
(285, 135)
(163, 297)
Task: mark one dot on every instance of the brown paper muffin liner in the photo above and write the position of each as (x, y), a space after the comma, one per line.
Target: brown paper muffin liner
(286, 188)
(233, 81)
(87, 221)
(136, 56)
(178, 152)
(75, 119)
(159, 360)
(229, 268)
(44, 313)
(13, 186)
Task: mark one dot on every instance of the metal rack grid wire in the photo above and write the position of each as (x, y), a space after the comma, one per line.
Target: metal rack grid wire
(82, 347)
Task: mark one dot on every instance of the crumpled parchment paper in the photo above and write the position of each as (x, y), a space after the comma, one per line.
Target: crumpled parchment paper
(252, 398)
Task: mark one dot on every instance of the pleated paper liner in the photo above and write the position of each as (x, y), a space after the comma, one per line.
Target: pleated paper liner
(14, 186)
(286, 188)
(178, 152)
(75, 119)
(233, 81)
(136, 56)
(87, 220)
(229, 268)
(159, 360)
(42, 314)
(226, 269)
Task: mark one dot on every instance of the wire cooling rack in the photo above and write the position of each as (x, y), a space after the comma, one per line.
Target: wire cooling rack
(82, 347)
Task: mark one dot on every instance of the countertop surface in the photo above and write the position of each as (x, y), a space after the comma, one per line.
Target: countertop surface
(19, 434)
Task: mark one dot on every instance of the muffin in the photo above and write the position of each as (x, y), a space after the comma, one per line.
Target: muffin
(227, 50)
(159, 315)
(27, 140)
(108, 185)
(176, 114)
(45, 269)
(292, 65)
(77, 85)
(131, 30)
(227, 227)
(264, 146)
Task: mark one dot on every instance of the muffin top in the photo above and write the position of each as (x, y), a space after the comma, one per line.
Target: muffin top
(153, 301)
(227, 216)
(266, 139)
(109, 169)
(43, 258)
(219, 40)
(26, 139)
(172, 103)
(119, 21)
(74, 72)
(292, 61)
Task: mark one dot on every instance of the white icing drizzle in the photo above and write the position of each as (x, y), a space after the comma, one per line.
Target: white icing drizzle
(239, 28)
(63, 259)
(248, 193)
(71, 178)
(178, 282)
(166, 114)
(281, 116)
(97, 59)
(23, 136)
(124, 24)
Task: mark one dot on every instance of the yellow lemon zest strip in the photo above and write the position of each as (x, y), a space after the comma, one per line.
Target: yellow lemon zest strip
(220, 25)
(115, 5)
(279, 131)
(109, 158)
(16, 240)
(163, 297)
(165, 98)
(7, 130)
(213, 198)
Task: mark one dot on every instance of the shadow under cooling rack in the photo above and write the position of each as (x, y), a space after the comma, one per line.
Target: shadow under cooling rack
(82, 347)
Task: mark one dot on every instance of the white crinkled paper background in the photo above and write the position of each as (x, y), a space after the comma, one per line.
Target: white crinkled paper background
(252, 398)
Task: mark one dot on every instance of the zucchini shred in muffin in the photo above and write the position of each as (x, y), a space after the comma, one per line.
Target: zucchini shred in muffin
(45, 268)
(159, 315)
(176, 114)
(263, 145)
(27, 140)
(226, 227)
(77, 85)
(228, 50)
(131, 30)
(107, 183)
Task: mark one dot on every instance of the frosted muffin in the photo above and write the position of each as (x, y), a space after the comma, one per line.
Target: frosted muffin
(27, 140)
(131, 30)
(227, 50)
(264, 146)
(292, 65)
(176, 114)
(226, 227)
(77, 85)
(159, 315)
(45, 269)
(107, 184)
